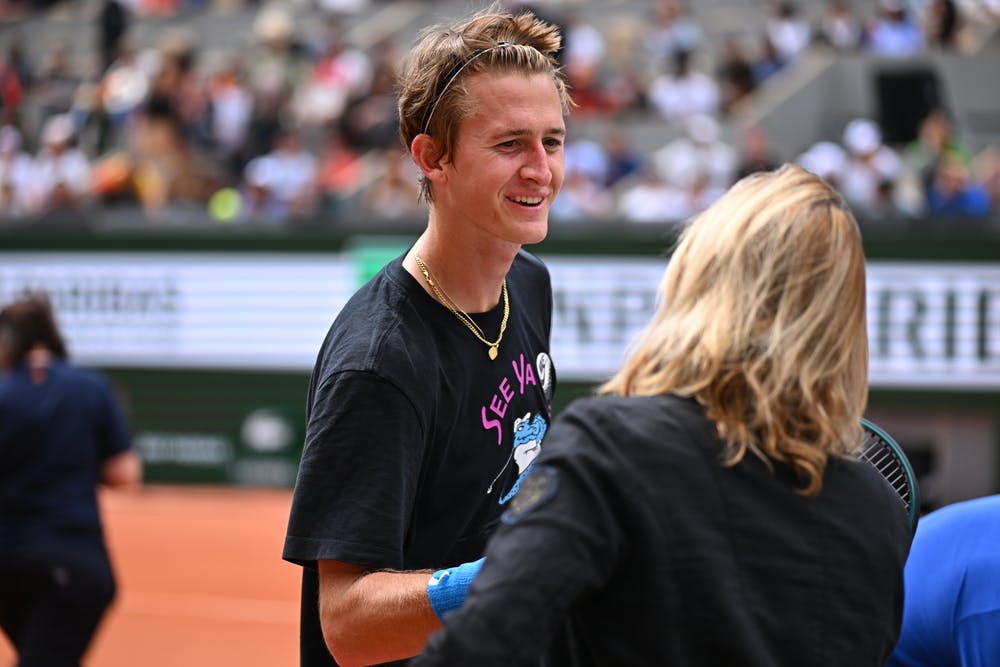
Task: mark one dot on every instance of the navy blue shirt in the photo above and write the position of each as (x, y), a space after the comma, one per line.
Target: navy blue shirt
(54, 437)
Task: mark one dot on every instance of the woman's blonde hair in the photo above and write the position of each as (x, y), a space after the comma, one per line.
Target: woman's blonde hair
(761, 318)
(432, 96)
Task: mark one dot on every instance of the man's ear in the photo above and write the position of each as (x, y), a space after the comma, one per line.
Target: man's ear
(427, 155)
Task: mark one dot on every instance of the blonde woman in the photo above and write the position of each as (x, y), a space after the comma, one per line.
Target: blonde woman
(708, 508)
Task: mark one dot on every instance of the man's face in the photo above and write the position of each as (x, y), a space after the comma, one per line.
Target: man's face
(507, 164)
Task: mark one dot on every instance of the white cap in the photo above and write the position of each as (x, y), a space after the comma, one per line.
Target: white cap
(862, 136)
(825, 159)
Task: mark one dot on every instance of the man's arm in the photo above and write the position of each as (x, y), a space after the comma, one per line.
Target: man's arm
(373, 617)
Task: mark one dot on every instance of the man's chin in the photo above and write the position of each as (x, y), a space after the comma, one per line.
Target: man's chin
(536, 232)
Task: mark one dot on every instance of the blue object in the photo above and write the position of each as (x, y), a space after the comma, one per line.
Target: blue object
(447, 588)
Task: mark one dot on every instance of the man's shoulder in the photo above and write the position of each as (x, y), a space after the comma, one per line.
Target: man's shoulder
(529, 263)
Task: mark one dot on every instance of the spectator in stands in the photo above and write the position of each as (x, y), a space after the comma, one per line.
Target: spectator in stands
(125, 86)
(699, 161)
(734, 73)
(683, 91)
(870, 174)
(936, 139)
(768, 61)
(168, 171)
(581, 198)
(60, 179)
(585, 59)
(588, 91)
(671, 29)
(894, 33)
(11, 87)
(955, 193)
(340, 75)
(93, 128)
(180, 82)
(756, 154)
(585, 155)
(288, 173)
(56, 82)
(624, 159)
(840, 27)
(276, 67)
(15, 173)
(584, 46)
(650, 198)
(826, 159)
(394, 193)
(371, 121)
(257, 203)
(625, 70)
(230, 110)
(113, 22)
(788, 30)
(339, 172)
(951, 606)
(942, 24)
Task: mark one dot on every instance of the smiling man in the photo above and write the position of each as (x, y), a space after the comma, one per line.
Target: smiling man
(431, 375)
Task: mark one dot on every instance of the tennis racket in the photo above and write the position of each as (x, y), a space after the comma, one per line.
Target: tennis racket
(885, 455)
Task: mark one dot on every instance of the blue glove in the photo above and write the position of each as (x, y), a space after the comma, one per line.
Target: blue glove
(447, 588)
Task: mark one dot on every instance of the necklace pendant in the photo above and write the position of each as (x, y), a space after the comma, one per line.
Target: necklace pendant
(493, 352)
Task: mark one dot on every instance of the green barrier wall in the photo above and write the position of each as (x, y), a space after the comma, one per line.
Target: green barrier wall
(246, 426)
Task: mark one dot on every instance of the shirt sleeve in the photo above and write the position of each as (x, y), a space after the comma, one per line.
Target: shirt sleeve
(114, 437)
(358, 476)
(558, 541)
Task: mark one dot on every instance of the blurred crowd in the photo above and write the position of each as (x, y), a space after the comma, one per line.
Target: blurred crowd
(302, 123)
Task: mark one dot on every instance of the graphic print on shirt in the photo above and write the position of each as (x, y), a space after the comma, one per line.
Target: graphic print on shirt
(528, 434)
(528, 429)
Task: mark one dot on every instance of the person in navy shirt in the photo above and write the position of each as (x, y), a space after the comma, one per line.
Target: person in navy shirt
(62, 434)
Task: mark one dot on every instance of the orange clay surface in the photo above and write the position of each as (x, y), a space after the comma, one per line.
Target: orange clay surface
(201, 582)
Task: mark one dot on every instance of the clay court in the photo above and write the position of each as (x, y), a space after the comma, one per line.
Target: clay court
(201, 580)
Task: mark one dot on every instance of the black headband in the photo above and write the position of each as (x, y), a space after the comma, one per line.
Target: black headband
(453, 74)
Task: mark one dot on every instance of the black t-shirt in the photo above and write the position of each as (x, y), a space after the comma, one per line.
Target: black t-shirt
(415, 439)
(630, 544)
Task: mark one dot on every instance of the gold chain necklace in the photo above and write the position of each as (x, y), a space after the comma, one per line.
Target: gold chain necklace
(462, 315)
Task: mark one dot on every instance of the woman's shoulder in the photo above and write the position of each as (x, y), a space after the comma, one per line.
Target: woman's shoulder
(666, 419)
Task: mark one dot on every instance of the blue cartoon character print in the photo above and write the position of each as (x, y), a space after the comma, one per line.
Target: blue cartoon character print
(528, 434)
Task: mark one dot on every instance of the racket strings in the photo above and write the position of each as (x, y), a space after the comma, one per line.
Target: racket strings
(882, 457)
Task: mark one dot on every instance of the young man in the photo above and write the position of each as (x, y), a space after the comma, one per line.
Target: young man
(710, 509)
(433, 389)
